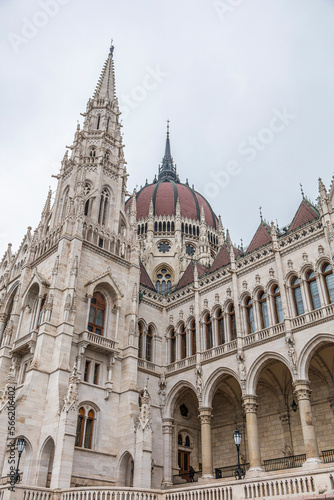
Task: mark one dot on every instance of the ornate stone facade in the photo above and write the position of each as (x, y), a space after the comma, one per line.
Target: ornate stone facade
(138, 337)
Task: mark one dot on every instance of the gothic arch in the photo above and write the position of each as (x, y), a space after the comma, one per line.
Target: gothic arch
(125, 470)
(308, 352)
(174, 394)
(255, 370)
(45, 463)
(213, 382)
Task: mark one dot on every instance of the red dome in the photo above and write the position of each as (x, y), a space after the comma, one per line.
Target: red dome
(164, 195)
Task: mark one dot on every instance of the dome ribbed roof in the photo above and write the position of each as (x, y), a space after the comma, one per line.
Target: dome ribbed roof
(164, 195)
(165, 191)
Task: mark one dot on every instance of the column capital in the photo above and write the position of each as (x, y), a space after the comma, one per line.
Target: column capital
(205, 414)
(302, 390)
(167, 425)
(250, 403)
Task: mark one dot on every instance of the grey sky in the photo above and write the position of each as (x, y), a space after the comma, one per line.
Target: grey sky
(223, 71)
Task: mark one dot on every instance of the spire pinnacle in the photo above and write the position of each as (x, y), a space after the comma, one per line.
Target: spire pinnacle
(106, 85)
(302, 190)
(167, 169)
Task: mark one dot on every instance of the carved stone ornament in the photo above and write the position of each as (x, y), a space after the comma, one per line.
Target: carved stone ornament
(229, 292)
(291, 351)
(191, 309)
(206, 303)
(217, 297)
(290, 264)
(245, 285)
(162, 390)
(305, 257)
(271, 272)
(257, 278)
(321, 250)
(71, 398)
(181, 314)
(171, 319)
(199, 380)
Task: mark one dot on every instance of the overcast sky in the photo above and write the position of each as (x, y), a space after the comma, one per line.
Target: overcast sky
(248, 87)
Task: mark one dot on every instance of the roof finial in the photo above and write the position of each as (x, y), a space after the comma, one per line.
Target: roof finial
(111, 50)
(260, 208)
(302, 191)
(167, 128)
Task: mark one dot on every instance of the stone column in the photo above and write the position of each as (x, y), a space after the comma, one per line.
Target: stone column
(167, 432)
(303, 395)
(250, 405)
(205, 418)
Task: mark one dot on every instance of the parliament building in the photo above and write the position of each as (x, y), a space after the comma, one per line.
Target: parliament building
(139, 338)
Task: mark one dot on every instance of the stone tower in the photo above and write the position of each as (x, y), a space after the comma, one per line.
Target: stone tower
(69, 309)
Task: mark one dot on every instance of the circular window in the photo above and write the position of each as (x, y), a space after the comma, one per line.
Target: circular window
(190, 250)
(164, 246)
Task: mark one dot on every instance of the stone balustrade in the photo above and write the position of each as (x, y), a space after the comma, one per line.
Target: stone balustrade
(317, 483)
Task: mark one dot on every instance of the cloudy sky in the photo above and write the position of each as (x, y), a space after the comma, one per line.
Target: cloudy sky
(248, 87)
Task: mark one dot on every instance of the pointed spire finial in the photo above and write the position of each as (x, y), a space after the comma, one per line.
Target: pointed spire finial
(261, 217)
(167, 168)
(111, 50)
(301, 190)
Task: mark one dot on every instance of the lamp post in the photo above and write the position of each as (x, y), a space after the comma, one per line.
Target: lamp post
(20, 447)
(239, 472)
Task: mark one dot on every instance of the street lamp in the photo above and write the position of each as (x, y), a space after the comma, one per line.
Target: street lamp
(20, 447)
(239, 472)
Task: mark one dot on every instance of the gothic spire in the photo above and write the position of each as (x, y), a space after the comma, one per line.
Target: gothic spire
(106, 85)
(167, 169)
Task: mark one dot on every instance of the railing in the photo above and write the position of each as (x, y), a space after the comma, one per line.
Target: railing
(279, 487)
(98, 341)
(142, 363)
(220, 349)
(310, 317)
(22, 344)
(95, 493)
(327, 456)
(185, 477)
(272, 331)
(229, 471)
(218, 493)
(284, 463)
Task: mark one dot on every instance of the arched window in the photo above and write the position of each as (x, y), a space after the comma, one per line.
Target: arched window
(220, 327)
(163, 280)
(65, 202)
(208, 331)
(187, 442)
(172, 346)
(278, 308)
(297, 296)
(140, 339)
(98, 122)
(183, 338)
(250, 316)
(155, 227)
(193, 337)
(232, 323)
(40, 313)
(86, 210)
(327, 273)
(179, 440)
(96, 313)
(92, 153)
(108, 122)
(85, 427)
(149, 344)
(103, 206)
(313, 290)
(263, 310)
